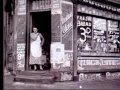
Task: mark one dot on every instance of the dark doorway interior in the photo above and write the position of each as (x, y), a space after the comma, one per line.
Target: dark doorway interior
(42, 20)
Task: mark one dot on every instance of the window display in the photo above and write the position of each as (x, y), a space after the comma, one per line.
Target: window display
(84, 31)
(113, 37)
(99, 35)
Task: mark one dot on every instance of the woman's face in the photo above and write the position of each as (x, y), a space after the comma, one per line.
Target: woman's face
(35, 30)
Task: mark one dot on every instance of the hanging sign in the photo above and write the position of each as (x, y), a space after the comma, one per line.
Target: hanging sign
(21, 7)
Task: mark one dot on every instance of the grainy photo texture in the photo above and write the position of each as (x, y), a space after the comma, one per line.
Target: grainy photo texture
(61, 44)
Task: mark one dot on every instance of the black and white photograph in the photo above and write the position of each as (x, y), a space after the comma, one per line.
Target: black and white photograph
(61, 44)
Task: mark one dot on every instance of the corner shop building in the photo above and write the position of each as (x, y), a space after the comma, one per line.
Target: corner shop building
(80, 36)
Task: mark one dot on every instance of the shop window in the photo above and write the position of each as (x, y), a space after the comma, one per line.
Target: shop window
(113, 37)
(97, 35)
(84, 33)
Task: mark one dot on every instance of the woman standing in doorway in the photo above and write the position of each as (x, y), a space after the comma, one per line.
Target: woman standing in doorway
(37, 41)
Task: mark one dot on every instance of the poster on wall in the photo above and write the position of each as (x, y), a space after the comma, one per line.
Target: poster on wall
(56, 6)
(20, 56)
(84, 33)
(113, 37)
(67, 25)
(57, 54)
(99, 35)
(21, 7)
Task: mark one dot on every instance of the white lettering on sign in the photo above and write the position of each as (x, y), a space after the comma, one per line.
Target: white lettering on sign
(20, 54)
(56, 7)
(113, 75)
(67, 27)
(21, 7)
(83, 34)
(83, 76)
(57, 53)
(98, 62)
(65, 76)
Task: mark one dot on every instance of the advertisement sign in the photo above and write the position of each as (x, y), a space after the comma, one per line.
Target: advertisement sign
(100, 35)
(113, 37)
(56, 7)
(68, 59)
(57, 53)
(84, 33)
(41, 4)
(67, 25)
(21, 7)
(20, 56)
(98, 64)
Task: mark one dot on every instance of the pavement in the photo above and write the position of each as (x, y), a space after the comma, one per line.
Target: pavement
(85, 84)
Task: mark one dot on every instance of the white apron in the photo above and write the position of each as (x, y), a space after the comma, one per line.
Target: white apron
(36, 51)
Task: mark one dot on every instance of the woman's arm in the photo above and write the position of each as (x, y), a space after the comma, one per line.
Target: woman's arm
(42, 38)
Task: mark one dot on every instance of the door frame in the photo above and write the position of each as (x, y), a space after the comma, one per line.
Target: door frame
(28, 31)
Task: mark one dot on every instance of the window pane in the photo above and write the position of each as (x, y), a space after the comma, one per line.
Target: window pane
(84, 33)
(99, 35)
(113, 36)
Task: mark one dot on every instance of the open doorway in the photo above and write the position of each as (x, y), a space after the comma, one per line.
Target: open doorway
(42, 21)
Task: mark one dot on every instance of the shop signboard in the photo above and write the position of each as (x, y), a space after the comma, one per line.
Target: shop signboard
(113, 37)
(20, 56)
(84, 33)
(41, 4)
(98, 64)
(21, 7)
(99, 35)
(67, 25)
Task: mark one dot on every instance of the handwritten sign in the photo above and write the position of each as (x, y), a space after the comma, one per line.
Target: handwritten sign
(100, 35)
(84, 33)
(20, 56)
(113, 35)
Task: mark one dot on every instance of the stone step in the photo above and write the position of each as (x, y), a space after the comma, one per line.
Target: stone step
(34, 79)
(41, 73)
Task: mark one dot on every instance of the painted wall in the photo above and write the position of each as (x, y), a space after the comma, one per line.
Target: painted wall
(20, 35)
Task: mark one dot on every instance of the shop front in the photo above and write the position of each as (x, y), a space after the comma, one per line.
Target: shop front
(98, 39)
(54, 20)
(80, 37)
